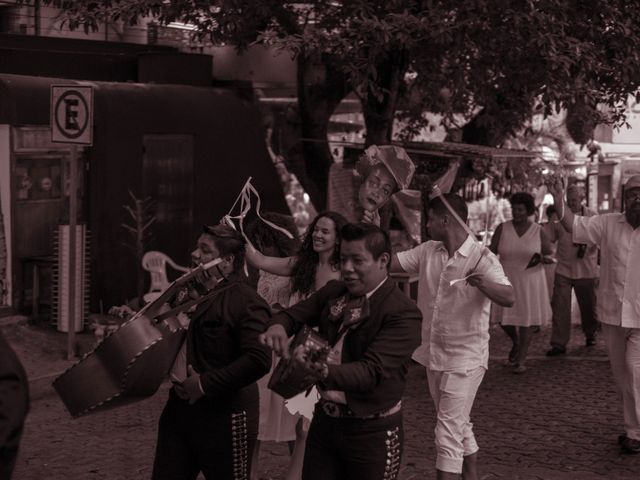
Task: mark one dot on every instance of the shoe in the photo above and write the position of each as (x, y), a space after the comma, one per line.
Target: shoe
(555, 351)
(622, 438)
(518, 369)
(630, 445)
(590, 341)
(513, 354)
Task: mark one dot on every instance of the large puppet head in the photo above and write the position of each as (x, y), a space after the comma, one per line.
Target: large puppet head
(384, 170)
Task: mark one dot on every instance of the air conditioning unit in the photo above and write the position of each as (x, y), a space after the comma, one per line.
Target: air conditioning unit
(61, 281)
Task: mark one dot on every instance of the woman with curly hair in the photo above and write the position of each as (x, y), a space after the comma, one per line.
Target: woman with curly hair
(285, 279)
(316, 262)
(522, 246)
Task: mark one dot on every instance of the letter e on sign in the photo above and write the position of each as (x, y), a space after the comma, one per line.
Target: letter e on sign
(72, 114)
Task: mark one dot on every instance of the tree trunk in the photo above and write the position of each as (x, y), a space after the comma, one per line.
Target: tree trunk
(496, 122)
(379, 109)
(476, 133)
(321, 87)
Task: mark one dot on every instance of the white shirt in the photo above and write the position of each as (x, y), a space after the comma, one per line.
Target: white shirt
(569, 265)
(619, 289)
(455, 319)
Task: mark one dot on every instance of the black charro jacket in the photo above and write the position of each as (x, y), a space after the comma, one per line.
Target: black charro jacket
(375, 354)
(222, 340)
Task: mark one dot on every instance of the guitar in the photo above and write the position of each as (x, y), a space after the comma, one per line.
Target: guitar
(131, 363)
(290, 378)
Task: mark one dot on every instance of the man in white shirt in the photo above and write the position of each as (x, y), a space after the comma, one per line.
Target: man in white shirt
(455, 325)
(618, 236)
(577, 269)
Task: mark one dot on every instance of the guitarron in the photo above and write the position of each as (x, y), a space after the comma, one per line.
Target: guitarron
(131, 363)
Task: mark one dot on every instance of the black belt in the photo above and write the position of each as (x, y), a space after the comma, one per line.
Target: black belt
(340, 410)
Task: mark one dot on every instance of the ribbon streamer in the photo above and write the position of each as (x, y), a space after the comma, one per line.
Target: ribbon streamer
(245, 206)
(437, 193)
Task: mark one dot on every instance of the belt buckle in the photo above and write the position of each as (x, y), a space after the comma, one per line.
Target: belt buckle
(331, 409)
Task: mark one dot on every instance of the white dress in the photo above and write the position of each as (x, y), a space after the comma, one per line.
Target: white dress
(302, 404)
(532, 305)
(276, 423)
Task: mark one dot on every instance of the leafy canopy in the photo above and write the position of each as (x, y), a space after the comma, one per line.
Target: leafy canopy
(502, 58)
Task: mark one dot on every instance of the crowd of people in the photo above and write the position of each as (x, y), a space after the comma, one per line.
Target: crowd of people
(336, 281)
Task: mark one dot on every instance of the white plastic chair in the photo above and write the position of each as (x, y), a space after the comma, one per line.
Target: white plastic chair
(156, 264)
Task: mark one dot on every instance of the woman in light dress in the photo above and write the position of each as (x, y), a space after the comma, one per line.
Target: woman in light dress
(276, 424)
(523, 248)
(316, 263)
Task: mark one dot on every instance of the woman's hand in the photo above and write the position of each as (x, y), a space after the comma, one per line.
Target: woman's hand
(548, 259)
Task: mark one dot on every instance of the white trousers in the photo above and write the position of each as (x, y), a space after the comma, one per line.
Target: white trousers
(453, 394)
(623, 346)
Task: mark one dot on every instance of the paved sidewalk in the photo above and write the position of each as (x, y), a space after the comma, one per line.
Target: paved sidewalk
(558, 421)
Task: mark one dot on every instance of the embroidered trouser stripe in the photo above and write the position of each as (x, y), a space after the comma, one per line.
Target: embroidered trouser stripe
(393, 454)
(239, 445)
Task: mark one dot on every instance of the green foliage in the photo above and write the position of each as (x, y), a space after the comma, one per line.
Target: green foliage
(496, 57)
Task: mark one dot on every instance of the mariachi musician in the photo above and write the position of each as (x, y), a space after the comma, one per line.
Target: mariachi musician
(356, 431)
(14, 405)
(210, 421)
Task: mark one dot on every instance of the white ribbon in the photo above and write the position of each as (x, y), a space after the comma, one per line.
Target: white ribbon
(437, 193)
(245, 206)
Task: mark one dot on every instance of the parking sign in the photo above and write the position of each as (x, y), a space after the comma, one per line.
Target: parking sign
(72, 114)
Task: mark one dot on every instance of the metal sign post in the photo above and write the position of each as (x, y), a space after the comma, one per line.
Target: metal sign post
(72, 123)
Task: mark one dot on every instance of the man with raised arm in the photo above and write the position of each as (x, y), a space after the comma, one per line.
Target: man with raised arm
(618, 294)
(577, 269)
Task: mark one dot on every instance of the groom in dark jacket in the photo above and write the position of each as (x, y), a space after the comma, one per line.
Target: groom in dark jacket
(14, 405)
(356, 431)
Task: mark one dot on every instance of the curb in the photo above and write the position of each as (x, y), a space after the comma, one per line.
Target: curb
(13, 320)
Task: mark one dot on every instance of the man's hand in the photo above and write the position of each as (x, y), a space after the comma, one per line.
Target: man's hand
(555, 184)
(123, 311)
(368, 217)
(474, 279)
(310, 362)
(276, 339)
(190, 389)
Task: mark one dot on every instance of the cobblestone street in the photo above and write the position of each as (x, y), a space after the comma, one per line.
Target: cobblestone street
(558, 421)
